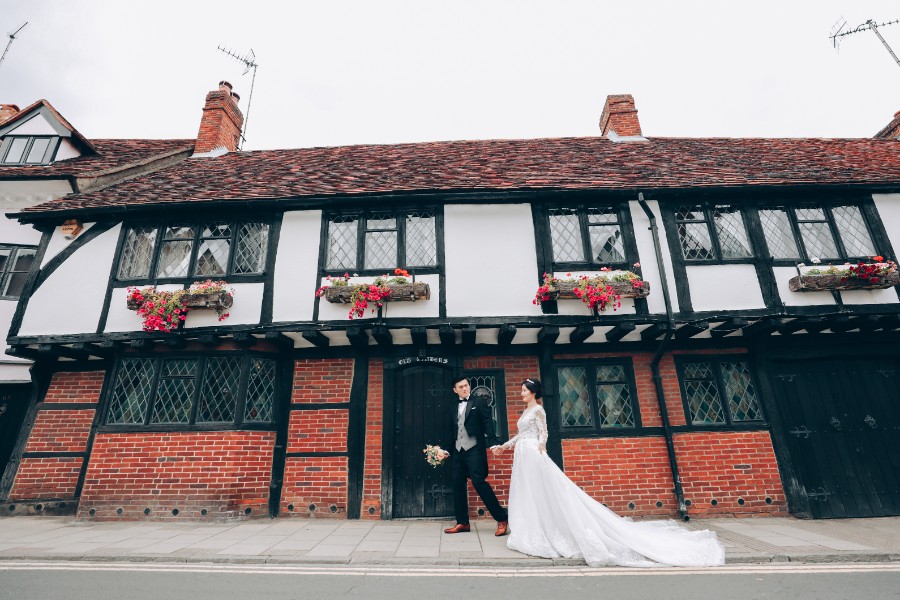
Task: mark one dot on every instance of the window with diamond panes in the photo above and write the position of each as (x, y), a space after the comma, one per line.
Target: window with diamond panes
(597, 396)
(15, 263)
(225, 390)
(719, 392)
(381, 242)
(824, 232)
(489, 386)
(188, 251)
(586, 236)
(712, 233)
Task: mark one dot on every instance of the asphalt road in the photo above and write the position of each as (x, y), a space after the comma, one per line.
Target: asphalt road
(151, 581)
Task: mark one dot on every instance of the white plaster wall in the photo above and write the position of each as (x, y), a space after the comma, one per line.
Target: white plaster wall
(66, 150)
(783, 276)
(15, 373)
(647, 252)
(15, 195)
(246, 310)
(296, 266)
(58, 242)
(888, 206)
(36, 125)
(569, 306)
(724, 287)
(12, 232)
(71, 299)
(491, 260)
(886, 296)
(394, 310)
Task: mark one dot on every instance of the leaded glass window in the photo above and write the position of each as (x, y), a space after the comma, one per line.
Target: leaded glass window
(193, 251)
(223, 390)
(380, 242)
(824, 232)
(590, 236)
(597, 396)
(15, 264)
(711, 233)
(488, 385)
(719, 392)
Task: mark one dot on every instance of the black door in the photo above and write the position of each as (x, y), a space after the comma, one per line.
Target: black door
(842, 423)
(422, 415)
(13, 406)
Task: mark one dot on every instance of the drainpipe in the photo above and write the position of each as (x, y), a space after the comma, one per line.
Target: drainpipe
(654, 364)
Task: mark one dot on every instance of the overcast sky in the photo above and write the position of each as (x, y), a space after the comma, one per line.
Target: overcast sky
(354, 72)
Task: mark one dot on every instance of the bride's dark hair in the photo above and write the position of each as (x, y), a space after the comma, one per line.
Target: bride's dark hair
(534, 386)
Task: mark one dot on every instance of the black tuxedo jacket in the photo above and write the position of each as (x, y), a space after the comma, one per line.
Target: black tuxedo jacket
(479, 423)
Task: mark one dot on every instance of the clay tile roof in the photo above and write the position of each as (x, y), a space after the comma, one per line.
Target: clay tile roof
(558, 164)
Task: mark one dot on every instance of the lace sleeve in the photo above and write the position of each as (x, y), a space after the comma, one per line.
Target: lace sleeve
(541, 421)
(511, 442)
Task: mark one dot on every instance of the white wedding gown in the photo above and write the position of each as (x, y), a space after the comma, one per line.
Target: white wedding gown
(551, 517)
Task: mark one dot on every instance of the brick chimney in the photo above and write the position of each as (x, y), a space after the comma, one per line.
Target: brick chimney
(620, 117)
(222, 121)
(7, 111)
(891, 130)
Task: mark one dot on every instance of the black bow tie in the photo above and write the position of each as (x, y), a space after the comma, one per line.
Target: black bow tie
(461, 400)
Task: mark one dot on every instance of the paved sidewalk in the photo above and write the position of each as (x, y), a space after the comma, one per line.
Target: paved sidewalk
(301, 541)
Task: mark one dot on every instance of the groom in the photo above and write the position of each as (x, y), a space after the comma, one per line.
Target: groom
(472, 425)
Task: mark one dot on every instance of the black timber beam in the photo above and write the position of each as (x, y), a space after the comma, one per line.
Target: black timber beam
(60, 351)
(764, 326)
(468, 335)
(142, 344)
(548, 335)
(507, 334)
(175, 341)
(654, 331)
(383, 336)
(92, 349)
(280, 340)
(689, 330)
(582, 332)
(112, 346)
(358, 337)
(842, 323)
(244, 340)
(316, 338)
(729, 326)
(810, 324)
(419, 336)
(448, 336)
(888, 322)
(619, 331)
(210, 339)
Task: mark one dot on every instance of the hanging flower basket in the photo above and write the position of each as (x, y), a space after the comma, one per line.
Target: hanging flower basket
(877, 275)
(385, 288)
(601, 291)
(166, 311)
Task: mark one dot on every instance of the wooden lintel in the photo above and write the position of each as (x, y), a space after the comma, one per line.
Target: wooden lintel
(548, 335)
(507, 334)
(316, 338)
(419, 336)
(689, 330)
(448, 336)
(468, 335)
(383, 336)
(619, 331)
(581, 333)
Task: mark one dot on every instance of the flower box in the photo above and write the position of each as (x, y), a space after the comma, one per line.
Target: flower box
(832, 281)
(566, 289)
(167, 310)
(400, 292)
(215, 300)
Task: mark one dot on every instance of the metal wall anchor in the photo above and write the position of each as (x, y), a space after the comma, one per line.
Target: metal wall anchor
(870, 421)
(834, 422)
(801, 431)
(437, 490)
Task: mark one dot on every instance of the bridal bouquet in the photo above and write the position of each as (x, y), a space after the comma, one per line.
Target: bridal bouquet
(434, 455)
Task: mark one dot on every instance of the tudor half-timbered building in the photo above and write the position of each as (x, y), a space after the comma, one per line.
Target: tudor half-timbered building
(728, 380)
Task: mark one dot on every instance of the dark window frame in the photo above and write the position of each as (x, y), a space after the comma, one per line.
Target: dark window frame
(828, 207)
(203, 360)
(597, 430)
(362, 216)
(716, 360)
(198, 224)
(6, 271)
(47, 157)
(709, 207)
(623, 220)
(501, 410)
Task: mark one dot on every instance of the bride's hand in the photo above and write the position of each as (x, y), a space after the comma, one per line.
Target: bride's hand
(496, 450)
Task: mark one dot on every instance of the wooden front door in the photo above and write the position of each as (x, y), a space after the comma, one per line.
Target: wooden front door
(841, 419)
(422, 414)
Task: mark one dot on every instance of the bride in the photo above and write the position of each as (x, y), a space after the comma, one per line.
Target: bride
(551, 517)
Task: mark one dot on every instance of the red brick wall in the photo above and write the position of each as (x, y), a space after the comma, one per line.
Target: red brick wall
(223, 472)
(371, 504)
(321, 480)
(58, 431)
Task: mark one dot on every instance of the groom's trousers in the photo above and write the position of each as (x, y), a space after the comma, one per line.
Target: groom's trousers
(472, 464)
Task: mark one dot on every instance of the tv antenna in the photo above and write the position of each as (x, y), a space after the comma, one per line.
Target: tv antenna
(249, 60)
(840, 30)
(12, 38)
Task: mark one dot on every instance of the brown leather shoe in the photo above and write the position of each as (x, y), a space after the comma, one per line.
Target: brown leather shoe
(502, 528)
(458, 528)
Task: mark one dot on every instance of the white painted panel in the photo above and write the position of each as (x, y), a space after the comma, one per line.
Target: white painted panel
(246, 310)
(888, 206)
(724, 287)
(886, 296)
(783, 276)
(71, 299)
(419, 308)
(12, 232)
(66, 150)
(119, 318)
(296, 266)
(569, 306)
(647, 253)
(15, 373)
(7, 310)
(16, 195)
(58, 242)
(36, 125)
(491, 260)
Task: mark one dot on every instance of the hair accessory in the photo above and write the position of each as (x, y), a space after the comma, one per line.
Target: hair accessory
(530, 381)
